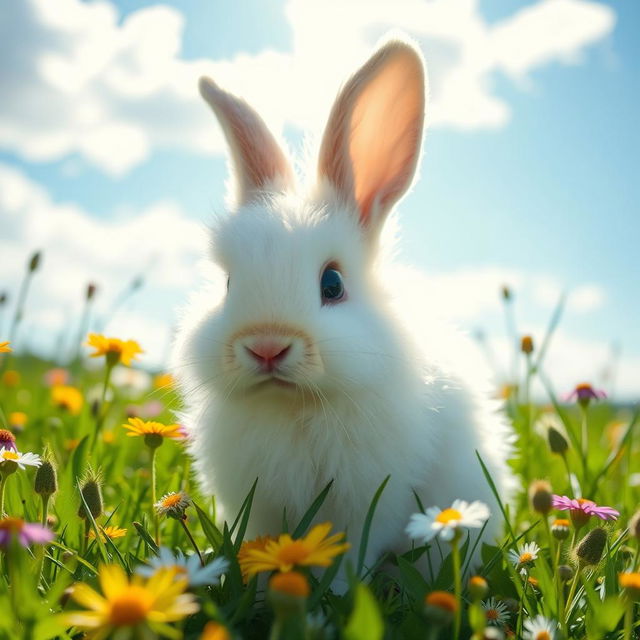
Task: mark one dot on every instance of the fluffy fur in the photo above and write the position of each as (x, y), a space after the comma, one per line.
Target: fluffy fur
(375, 388)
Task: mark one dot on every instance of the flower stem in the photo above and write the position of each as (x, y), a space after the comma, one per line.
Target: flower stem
(193, 542)
(572, 592)
(3, 483)
(521, 609)
(457, 584)
(45, 505)
(102, 412)
(156, 519)
(628, 620)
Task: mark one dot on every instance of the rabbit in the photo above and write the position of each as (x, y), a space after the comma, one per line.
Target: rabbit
(314, 363)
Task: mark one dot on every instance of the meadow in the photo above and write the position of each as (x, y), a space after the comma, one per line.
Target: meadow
(103, 530)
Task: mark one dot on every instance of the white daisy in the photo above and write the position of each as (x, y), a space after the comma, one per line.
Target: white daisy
(445, 522)
(540, 628)
(496, 612)
(23, 460)
(525, 555)
(189, 566)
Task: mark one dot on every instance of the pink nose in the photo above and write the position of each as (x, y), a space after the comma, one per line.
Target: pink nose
(268, 353)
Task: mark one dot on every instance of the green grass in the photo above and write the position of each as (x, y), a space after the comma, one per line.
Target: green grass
(384, 601)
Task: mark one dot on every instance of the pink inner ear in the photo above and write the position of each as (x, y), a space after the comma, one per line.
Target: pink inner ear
(371, 145)
(258, 160)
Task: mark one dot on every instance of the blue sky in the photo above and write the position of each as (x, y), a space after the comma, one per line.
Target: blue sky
(540, 190)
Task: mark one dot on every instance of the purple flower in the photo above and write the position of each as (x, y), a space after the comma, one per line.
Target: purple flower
(27, 533)
(580, 506)
(584, 393)
(7, 440)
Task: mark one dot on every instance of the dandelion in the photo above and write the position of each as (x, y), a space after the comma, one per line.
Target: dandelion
(173, 505)
(446, 523)
(496, 612)
(259, 544)
(7, 440)
(4, 347)
(108, 532)
(130, 608)
(152, 431)
(113, 349)
(67, 398)
(17, 421)
(540, 628)
(581, 509)
(26, 533)
(525, 556)
(440, 607)
(315, 549)
(186, 566)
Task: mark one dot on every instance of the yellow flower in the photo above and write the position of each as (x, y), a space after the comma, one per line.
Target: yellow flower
(163, 381)
(442, 600)
(127, 607)
(139, 427)
(215, 631)
(11, 378)
(5, 348)
(315, 549)
(630, 582)
(291, 583)
(17, 420)
(246, 547)
(108, 532)
(114, 349)
(67, 398)
(173, 505)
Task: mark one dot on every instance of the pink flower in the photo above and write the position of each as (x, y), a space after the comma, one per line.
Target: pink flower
(27, 533)
(7, 440)
(581, 507)
(584, 393)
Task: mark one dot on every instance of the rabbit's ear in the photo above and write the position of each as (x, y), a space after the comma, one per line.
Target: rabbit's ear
(371, 145)
(258, 160)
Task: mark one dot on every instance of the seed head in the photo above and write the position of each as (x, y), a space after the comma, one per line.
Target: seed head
(46, 479)
(540, 496)
(34, 262)
(92, 494)
(590, 549)
(557, 442)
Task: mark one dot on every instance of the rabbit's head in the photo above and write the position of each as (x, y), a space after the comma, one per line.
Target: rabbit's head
(303, 309)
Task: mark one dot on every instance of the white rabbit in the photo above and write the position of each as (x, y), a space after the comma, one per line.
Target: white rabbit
(309, 366)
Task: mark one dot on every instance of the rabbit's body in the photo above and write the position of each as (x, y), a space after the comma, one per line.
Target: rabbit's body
(288, 384)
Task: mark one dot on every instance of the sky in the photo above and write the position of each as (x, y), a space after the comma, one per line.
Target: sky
(112, 165)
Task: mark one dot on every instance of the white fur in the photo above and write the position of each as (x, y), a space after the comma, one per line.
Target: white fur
(382, 391)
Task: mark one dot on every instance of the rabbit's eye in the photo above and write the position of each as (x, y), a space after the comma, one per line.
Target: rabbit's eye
(331, 285)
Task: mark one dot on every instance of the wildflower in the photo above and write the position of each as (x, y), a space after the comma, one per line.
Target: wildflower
(215, 631)
(113, 349)
(446, 523)
(525, 555)
(314, 549)
(17, 421)
(478, 587)
(581, 509)
(11, 457)
(540, 496)
(153, 432)
(4, 347)
(11, 378)
(540, 628)
(630, 582)
(589, 551)
(67, 398)
(560, 529)
(7, 440)
(188, 567)
(130, 608)
(163, 381)
(56, 377)
(584, 393)
(440, 607)
(526, 344)
(108, 532)
(173, 505)
(27, 533)
(259, 544)
(291, 583)
(496, 612)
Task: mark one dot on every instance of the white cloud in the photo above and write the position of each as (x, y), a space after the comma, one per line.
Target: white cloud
(80, 81)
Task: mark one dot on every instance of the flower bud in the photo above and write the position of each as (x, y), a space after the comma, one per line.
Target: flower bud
(92, 495)
(557, 442)
(634, 525)
(440, 607)
(478, 587)
(590, 549)
(153, 440)
(215, 631)
(3, 298)
(91, 290)
(540, 496)
(34, 262)
(526, 345)
(630, 582)
(46, 479)
(560, 528)
(506, 293)
(288, 592)
(565, 572)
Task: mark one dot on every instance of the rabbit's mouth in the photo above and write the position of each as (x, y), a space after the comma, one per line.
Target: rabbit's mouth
(275, 381)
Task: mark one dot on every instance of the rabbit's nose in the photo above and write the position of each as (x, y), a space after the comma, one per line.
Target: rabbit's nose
(268, 353)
